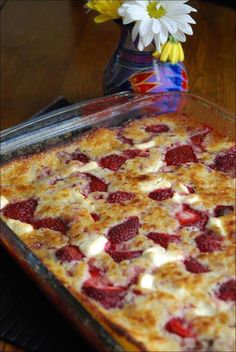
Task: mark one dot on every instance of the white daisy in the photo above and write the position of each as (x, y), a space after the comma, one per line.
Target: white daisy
(155, 20)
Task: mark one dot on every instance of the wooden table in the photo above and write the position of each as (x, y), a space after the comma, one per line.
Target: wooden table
(51, 48)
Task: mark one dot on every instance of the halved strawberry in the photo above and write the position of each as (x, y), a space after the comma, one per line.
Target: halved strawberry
(227, 291)
(22, 211)
(190, 217)
(180, 155)
(208, 242)
(120, 197)
(163, 239)
(161, 194)
(133, 153)
(96, 184)
(99, 289)
(80, 157)
(179, 327)
(157, 128)
(54, 224)
(69, 253)
(222, 210)
(194, 266)
(124, 231)
(119, 256)
(112, 162)
(226, 162)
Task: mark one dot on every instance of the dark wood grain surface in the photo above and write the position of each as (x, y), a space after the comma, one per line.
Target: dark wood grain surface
(52, 48)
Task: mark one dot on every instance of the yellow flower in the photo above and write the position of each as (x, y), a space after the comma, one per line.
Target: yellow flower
(172, 51)
(156, 54)
(107, 9)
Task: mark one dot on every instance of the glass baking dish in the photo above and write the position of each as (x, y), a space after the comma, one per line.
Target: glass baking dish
(64, 125)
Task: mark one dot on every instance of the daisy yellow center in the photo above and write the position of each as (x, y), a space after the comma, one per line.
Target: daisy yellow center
(154, 10)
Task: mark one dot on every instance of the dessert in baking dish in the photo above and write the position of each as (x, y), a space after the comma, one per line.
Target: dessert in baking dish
(138, 222)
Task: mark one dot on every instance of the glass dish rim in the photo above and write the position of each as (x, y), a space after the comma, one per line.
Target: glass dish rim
(139, 97)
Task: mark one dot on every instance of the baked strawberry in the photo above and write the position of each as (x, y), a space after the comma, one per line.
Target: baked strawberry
(22, 211)
(54, 224)
(179, 327)
(112, 162)
(222, 210)
(120, 197)
(163, 239)
(95, 217)
(226, 162)
(98, 288)
(124, 231)
(195, 267)
(133, 153)
(208, 242)
(124, 139)
(190, 217)
(227, 291)
(79, 157)
(180, 155)
(119, 256)
(157, 128)
(161, 194)
(198, 138)
(69, 253)
(191, 189)
(96, 184)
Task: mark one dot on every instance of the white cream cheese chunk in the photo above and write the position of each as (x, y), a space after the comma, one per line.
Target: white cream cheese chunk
(158, 256)
(88, 167)
(93, 245)
(186, 199)
(20, 228)
(146, 281)
(3, 202)
(204, 310)
(147, 145)
(216, 225)
(180, 188)
(159, 183)
(78, 168)
(154, 166)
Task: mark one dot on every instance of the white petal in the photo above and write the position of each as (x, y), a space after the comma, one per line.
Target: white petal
(163, 35)
(135, 31)
(169, 24)
(143, 3)
(184, 19)
(157, 42)
(140, 45)
(148, 38)
(179, 36)
(145, 27)
(137, 13)
(127, 20)
(156, 27)
(187, 29)
(122, 11)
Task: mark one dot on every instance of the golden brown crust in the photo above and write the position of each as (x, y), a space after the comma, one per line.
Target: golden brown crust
(62, 189)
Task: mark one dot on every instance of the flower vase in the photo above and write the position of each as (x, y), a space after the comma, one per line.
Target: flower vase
(132, 70)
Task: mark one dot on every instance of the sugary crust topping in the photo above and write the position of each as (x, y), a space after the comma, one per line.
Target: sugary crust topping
(138, 222)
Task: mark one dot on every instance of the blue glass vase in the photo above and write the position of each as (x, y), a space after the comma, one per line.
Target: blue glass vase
(132, 70)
